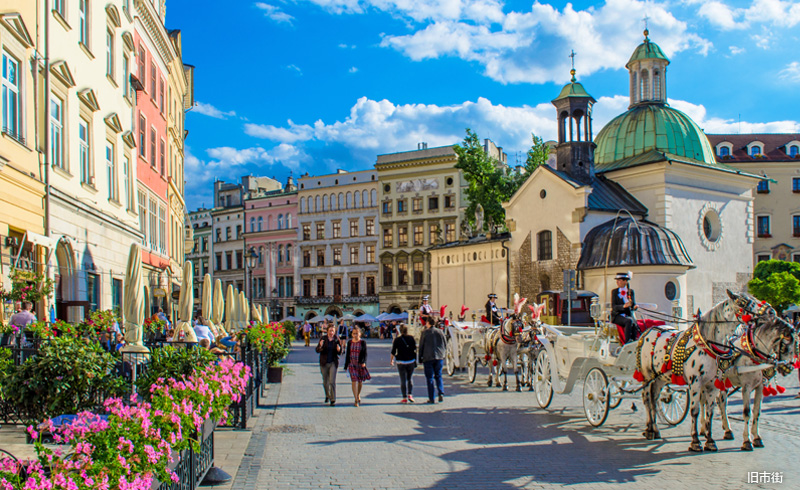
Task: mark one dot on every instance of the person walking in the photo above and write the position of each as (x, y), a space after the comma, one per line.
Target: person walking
(355, 363)
(307, 333)
(432, 347)
(329, 349)
(404, 353)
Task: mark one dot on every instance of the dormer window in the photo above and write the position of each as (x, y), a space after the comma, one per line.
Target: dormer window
(794, 150)
(755, 149)
(724, 151)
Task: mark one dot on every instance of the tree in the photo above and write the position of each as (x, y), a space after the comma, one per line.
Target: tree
(490, 183)
(777, 282)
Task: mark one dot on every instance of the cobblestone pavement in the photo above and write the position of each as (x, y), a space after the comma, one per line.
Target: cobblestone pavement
(483, 438)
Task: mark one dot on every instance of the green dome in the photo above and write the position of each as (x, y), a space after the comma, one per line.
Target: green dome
(647, 50)
(573, 89)
(650, 127)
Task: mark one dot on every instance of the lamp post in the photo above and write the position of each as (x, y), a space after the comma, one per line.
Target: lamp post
(274, 304)
(252, 261)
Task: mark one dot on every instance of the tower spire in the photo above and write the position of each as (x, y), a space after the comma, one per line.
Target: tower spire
(646, 30)
(572, 71)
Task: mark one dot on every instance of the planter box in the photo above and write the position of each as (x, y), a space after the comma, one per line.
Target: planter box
(274, 374)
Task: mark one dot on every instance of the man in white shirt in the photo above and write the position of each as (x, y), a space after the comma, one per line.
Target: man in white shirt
(203, 332)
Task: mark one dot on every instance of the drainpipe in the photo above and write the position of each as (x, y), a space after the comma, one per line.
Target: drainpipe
(46, 114)
(508, 272)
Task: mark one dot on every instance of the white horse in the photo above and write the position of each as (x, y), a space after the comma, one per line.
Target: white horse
(689, 357)
(758, 346)
(501, 345)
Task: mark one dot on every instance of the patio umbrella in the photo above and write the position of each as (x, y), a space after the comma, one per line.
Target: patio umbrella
(315, 319)
(255, 312)
(382, 316)
(185, 304)
(147, 309)
(244, 311)
(133, 307)
(230, 310)
(349, 316)
(218, 309)
(366, 318)
(293, 319)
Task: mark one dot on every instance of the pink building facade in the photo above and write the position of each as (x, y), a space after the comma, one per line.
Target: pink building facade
(271, 232)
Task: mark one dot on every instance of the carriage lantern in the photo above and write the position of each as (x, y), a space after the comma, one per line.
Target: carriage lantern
(594, 308)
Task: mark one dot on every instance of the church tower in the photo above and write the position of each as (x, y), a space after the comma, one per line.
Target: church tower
(648, 73)
(575, 149)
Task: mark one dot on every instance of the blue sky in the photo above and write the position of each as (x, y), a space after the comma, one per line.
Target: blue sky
(315, 85)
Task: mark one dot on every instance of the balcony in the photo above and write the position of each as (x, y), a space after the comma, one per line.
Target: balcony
(313, 300)
(365, 298)
(336, 299)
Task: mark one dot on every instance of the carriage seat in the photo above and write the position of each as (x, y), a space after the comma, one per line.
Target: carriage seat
(643, 325)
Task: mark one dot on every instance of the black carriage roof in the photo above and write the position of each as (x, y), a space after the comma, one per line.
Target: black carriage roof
(582, 293)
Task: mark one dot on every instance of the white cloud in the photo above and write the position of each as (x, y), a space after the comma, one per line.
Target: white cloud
(275, 13)
(211, 111)
(295, 69)
(791, 72)
(293, 133)
(774, 13)
(526, 45)
(352, 69)
(716, 125)
(736, 50)
(347, 46)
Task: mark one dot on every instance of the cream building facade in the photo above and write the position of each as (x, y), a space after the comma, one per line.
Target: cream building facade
(420, 206)
(22, 188)
(337, 242)
(92, 175)
(776, 209)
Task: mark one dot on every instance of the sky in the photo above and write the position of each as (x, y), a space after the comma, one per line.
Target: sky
(296, 86)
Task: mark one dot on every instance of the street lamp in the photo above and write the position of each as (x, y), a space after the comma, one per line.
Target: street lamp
(252, 261)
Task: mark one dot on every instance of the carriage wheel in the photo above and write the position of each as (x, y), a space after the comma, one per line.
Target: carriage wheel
(472, 364)
(673, 404)
(541, 380)
(595, 397)
(614, 395)
(449, 363)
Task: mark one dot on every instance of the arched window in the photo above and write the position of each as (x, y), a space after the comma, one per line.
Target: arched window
(544, 240)
(280, 253)
(755, 150)
(341, 201)
(289, 252)
(656, 85)
(644, 89)
(269, 222)
(280, 221)
(373, 198)
(288, 220)
(349, 200)
(634, 87)
(252, 224)
(724, 151)
(260, 222)
(794, 150)
(357, 199)
(316, 204)
(260, 255)
(303, 205)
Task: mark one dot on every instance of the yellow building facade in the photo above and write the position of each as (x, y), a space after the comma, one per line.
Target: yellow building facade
(21, 181)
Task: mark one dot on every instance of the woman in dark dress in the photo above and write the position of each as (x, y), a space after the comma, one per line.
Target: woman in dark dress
(355, 363)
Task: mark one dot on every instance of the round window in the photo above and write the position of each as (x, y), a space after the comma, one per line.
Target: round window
(711, 226)
(386, 188)
(543, 193)
(449, 181)
(671, 290)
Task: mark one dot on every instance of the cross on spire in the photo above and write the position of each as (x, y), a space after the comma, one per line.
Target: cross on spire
(572, 72)
(646, 30)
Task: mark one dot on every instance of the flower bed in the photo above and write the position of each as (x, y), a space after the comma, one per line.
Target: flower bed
(138, 441)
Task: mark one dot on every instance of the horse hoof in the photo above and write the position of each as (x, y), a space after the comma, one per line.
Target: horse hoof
(519, 389)
(657, 435)
(649, 435)
(746, 446)
(757, 442)
(531, 388)
(489, 384)
(505, 388)
(711, 446)
(728, 436)
(695, 447)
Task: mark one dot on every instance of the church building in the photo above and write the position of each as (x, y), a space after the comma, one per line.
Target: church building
(646, 195)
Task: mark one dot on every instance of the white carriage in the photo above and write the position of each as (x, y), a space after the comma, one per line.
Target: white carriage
(594, 356)
(462, 339)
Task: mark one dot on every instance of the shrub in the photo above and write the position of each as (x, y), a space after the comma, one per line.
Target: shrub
(171, 362)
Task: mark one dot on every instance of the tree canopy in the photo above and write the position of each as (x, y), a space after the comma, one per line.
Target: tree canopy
(776, 282)
(491, 183)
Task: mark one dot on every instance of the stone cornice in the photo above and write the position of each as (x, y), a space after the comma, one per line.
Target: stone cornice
(155, 29)
(415, 163)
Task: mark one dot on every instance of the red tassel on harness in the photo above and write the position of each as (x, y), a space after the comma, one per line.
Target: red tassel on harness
(494, 363)
(487, 357)
(728, 383)
(797, 365)
(719, 385)
(780, 389)
(772, 391)
(666, 367)
(678, 380)
(638, 376)
(765, 391)
(747, 318)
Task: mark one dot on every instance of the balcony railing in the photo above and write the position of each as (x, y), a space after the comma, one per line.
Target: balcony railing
(317, 300)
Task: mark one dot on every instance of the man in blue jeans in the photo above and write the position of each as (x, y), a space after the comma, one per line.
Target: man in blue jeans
(432, 348)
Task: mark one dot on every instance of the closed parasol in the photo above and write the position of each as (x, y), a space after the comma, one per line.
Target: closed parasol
(133, 306)
(185, 304)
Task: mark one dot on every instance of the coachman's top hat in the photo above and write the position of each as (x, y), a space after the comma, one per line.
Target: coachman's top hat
(492, 296)
(624, 275)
